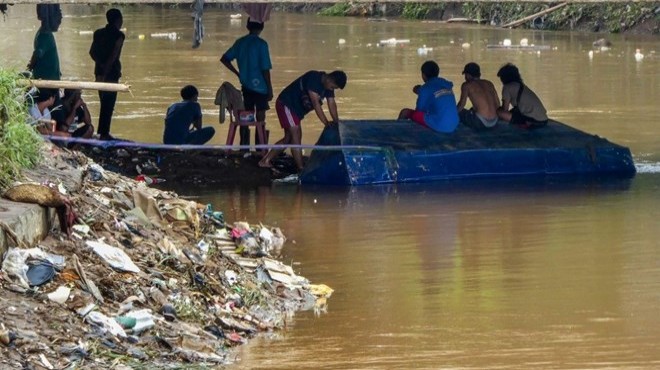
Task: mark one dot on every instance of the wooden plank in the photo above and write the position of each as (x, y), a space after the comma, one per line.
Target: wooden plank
(188, 2)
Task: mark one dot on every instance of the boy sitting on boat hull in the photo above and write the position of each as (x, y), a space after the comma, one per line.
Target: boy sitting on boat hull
(482, 95)
(528, 110)
(436, 104)
(181, 115)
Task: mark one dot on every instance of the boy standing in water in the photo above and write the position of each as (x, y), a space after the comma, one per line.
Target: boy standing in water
(303, 95)
(45, 62)
(436, 104)
(105, 51)
(253, 59)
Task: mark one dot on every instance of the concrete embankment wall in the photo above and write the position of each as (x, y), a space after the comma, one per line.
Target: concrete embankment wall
(31, 223)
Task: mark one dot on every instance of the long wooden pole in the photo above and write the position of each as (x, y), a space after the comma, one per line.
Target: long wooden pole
(104, 2)
(83, 85)
(529, 18)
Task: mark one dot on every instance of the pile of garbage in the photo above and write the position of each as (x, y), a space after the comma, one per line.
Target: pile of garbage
(143, 276)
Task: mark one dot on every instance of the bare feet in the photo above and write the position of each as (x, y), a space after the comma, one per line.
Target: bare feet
(265, 164)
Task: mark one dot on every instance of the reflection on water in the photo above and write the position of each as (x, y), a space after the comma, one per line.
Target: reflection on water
(506, 273)
(540, 273)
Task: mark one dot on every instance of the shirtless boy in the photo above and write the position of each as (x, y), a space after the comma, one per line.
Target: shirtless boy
(482, 95)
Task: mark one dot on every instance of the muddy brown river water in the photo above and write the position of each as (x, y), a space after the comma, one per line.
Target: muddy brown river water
(508, 273)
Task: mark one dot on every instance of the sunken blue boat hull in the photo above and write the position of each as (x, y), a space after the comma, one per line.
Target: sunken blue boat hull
(389, 151)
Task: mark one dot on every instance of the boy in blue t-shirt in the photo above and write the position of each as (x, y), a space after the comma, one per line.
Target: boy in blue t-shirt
(181, 115)
(436, 103)
(304, 94)
(254, 65)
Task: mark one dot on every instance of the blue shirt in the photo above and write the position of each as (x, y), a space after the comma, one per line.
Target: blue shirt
(251, 54)
(296, 95)
(178, 119)
(436, 99)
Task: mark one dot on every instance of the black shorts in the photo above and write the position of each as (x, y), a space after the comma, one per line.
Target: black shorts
(518, 118)
(254, 100)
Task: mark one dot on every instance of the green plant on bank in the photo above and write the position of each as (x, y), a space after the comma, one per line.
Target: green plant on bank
(337, 10)
(415, 10)
(615, 17)
(20, 145)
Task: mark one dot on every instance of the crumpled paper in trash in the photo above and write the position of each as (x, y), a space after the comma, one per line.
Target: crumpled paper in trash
(113, 256)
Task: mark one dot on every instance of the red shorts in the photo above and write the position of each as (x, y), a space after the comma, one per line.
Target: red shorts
(417, 117)
(287, 118)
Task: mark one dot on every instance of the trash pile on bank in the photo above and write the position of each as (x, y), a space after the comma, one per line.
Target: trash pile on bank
(143, 276)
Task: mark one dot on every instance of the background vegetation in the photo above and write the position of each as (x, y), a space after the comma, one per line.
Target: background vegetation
(599, 17)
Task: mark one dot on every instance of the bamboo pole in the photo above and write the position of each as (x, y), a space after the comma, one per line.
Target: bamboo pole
(187, 2)
(83, 85)
(529, 18)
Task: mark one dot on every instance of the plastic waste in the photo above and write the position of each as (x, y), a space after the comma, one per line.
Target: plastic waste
(126, 322)
(394, 41)
(95, 172)
(82, 229)
(143, 320)
(40, 272)
(231, 277)
(115, 257)
(15, 263)
(164, 35)
(60, 295)
(148, 180)
(105, 324)
(203, 247)
(216, 216)
(169, 312)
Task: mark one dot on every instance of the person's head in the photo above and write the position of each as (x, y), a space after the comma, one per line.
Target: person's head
(50, 16)
(114, 17)
(334, 80)
(189, 92)
(471, 71)
(430, 69)
(509, 73)
(254, 27)
(46, 97)
(71, 96)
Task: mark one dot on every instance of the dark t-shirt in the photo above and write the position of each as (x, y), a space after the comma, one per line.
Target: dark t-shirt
(47, 62)
(178, 120)
(296, 96)
(102, 48)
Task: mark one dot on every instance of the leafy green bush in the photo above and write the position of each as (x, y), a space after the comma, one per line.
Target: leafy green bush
(19, 143)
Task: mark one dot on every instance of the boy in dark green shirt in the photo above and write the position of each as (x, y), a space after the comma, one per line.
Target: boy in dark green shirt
(45, 62)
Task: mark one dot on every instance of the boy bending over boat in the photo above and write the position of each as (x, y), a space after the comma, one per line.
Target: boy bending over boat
(528, 110)
(302, 96)
(482, 95)
(436, 104)
(181, 115)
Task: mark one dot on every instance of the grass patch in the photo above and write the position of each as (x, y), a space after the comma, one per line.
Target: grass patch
(337, 10)
(19, 142)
